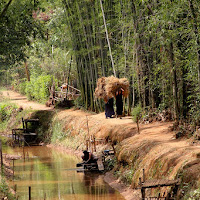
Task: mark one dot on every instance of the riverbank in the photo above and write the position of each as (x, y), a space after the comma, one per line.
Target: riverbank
(7, 174)
(155, 149)
(126, 191)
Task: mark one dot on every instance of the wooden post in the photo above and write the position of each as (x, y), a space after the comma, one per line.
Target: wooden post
(23, 122)
(13, 168)
(142, 189)
(143, 176)
(113, 148)
(29, 192)
(86, 144)
(23, 154)
(95, 145)
(26, 126)
(18, 139)
(1, 155)
(143, 193)
(140, 182)
(175, 190)
(15, 190)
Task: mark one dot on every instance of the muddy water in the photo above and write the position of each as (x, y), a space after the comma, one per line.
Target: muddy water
(52, 176)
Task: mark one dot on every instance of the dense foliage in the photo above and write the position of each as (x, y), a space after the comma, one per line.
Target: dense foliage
(155, 44)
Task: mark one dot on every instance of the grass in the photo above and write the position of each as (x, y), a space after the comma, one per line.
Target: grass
(11, 116)
(5, 191)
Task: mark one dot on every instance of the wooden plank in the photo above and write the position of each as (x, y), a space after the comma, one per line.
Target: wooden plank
(18, 129)
(31, 120)
(159, 183)
(100, 165)
(29, 134)
(73, 88)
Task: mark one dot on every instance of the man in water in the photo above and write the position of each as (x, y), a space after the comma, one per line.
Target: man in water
(89, 157)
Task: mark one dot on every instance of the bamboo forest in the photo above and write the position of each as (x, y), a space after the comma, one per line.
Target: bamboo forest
(155, 44)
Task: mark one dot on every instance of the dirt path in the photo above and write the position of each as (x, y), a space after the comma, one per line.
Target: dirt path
(22, 101)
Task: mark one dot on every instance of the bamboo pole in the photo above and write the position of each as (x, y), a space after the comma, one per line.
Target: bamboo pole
(106, 30)
(89, 143)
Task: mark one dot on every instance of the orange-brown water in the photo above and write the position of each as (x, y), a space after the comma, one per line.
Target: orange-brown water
(52, 176)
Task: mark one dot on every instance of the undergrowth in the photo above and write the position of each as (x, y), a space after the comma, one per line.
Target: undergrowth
(5, 191)
(11, 116)
(193, 195)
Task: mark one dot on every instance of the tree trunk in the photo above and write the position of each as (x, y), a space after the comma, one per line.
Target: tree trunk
(27, 72)
(175, 87)
(197, 37)
(106, 30)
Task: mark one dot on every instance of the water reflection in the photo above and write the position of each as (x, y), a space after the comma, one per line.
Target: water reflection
(51, 175)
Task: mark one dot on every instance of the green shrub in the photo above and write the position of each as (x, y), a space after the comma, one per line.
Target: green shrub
(4, 189)
(193, 195)
(38, 88)
(6, 110)
(79, 103)
(28, 90)
(58, 133)
(137, 115)
(22, 87)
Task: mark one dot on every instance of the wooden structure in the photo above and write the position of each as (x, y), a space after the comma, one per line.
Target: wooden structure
(145, 184)
(64, 96)
(26, 134)
(96, 166)
(99, 165)
(69, 92)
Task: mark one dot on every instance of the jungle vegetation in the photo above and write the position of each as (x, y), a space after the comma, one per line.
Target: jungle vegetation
(153, 43)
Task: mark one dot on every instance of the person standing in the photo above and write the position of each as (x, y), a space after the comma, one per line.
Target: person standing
(119, 102)
(109, 109)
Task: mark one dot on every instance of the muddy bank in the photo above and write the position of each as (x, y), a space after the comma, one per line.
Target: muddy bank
(126, 191)
(7, 174)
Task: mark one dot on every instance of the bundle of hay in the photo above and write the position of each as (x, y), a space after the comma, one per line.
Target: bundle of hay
(108, 86)
(100, 91)
(114, 84)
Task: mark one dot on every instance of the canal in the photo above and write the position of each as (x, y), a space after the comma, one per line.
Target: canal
(52, 176)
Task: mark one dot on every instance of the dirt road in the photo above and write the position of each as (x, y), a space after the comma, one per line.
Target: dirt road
(22, 101)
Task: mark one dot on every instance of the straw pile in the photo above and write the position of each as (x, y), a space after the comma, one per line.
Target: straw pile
(108, 86)
(100, 91)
